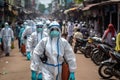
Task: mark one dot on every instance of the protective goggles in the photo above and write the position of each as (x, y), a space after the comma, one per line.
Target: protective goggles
(54, 29)
(39, 26)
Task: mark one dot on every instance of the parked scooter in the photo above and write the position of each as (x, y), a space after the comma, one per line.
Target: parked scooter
(102, 53)
(111, 67)
(80, 45)
(91, 46)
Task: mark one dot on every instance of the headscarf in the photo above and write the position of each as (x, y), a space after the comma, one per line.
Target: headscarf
(110, 29)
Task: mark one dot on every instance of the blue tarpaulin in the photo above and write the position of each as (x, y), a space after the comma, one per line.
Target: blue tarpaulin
(1, 3)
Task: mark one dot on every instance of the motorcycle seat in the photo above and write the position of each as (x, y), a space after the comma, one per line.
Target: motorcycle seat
(81, 40)
(117, 56)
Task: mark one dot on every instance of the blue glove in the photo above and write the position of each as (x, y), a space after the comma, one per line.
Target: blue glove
(39, 76)
(28, 56)
(72, 76)
(33, 75)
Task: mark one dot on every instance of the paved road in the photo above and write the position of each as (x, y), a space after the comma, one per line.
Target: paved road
(86, 70)
(16, 67)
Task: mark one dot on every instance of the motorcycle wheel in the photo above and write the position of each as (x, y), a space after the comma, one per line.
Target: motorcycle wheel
(104, 71)
(87, 52)
(96, 58)
(82, 50)
(92, 52)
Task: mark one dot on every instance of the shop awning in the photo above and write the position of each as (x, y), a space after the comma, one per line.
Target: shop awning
(109, 2)
(71, 9)
(89, 6)
(99, 4)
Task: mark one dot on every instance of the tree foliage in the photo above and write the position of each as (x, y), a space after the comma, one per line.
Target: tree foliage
(42, 8)
(78, 1)
(49, 6)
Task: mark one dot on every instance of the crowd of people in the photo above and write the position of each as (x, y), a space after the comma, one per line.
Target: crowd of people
(45, 48)
(48, 44)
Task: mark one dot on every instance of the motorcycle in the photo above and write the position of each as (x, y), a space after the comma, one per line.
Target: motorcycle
(79, 45)
(102, 53)
(110, 67)
(91, 46)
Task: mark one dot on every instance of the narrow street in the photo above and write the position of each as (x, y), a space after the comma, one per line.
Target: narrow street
(16, 67)
(96, 22)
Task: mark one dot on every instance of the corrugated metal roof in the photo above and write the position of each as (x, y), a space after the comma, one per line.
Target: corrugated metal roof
(101, 3)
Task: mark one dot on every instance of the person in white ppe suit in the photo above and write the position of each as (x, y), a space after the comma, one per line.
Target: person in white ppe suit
(27, 32)
(46, 29)
(55, 50)
(7, 37)
(23, 26)
(35, 37)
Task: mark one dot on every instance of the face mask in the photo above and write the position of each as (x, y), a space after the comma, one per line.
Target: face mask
(39, 29)
(6, 26)
(54, 33)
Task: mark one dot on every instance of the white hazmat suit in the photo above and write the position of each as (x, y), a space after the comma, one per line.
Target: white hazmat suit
(56, 49)
(33, 40)
(27, 32)
(7, 36)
